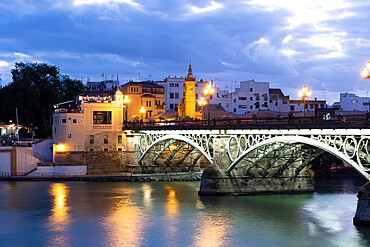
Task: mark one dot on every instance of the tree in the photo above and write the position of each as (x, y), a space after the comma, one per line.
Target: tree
(36, 87)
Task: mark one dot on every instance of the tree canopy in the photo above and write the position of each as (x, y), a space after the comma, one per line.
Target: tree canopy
(35, 88)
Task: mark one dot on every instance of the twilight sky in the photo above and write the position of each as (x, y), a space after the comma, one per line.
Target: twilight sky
(323, 44)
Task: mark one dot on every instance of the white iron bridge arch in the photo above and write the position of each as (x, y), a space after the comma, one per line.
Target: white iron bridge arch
(350, 145)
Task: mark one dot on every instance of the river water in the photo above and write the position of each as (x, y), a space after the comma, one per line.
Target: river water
(172, 214)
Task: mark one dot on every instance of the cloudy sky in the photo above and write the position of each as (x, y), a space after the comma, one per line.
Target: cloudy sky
(323, 44)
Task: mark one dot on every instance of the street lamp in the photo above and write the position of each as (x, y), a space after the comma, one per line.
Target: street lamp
(304, 93)
(142, 111)
(209, 91)
(365, 72)
(126, 100)
(202, 102)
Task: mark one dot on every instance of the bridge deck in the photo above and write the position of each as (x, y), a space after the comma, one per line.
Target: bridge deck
(352, 122)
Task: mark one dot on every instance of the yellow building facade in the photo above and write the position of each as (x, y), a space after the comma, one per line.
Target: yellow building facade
(147, 95)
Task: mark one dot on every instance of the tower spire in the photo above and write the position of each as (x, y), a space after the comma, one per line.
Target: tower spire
(190, 76)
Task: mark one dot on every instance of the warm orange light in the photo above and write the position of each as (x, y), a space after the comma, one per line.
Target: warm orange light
(209, 90)
(61, 148)
(304, 93)
(126, 100)
(365, 73)
(142, 110)
(172, 147)
(202, 101)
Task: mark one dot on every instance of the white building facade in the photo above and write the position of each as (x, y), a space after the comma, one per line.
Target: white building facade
(352, 102)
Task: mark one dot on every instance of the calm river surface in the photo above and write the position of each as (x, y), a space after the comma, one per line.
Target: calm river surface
(172, 214)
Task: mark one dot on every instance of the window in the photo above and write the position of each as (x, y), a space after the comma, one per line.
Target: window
(292, 107)
(251, 98)
(251, 89)
(211, 96)
(105, 139)
(64, 120)
(171, 85)
(91, 139)
(234, 100)
(176, 95)
(251, 107)
(257, 96)
(354, 101)
(276, 103)
(234, 109)
(119, 149)
(227, 105)
(55, 130)
(148, 114)
(196, 96)
(105, 149)
(265, 97)
(74, 120)
(148, 103)
(171, 95)
(176, 85)
(119, 138)
(242, 106)
(218, 96)
(242, 98)
(171, 106)
(285, 101)
(102, 117)
(69, 135)
(91, 150)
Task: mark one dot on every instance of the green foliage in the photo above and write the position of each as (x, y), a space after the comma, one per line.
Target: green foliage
(34, 90)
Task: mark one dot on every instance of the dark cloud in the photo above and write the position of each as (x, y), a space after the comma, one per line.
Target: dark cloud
(238, 41)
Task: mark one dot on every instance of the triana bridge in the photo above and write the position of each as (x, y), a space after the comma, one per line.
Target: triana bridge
(250, 157)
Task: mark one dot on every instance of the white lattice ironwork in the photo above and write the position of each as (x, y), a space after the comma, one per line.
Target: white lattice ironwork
(350, 145)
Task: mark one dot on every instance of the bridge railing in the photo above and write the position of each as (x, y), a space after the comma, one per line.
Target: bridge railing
(312, 122)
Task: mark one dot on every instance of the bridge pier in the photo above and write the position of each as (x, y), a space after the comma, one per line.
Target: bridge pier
(249, 180)
(362, 216)
(215, 181)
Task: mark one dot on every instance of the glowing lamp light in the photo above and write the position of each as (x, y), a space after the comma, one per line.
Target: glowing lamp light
(202, 101)
(126, 100)
(61, 148)
(365, 72)
(209, 90)
(304, 93)
(142, 110)
(172, 147)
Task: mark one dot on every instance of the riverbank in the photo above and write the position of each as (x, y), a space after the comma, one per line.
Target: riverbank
(195, 176)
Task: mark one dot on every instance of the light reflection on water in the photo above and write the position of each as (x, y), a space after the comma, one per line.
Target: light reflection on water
(59, 219)
(172, 214)
(125, 221)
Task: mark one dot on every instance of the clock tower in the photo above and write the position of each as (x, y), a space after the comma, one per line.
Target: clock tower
(189, 96)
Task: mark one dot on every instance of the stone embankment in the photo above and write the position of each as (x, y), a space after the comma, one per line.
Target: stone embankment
(114, 177)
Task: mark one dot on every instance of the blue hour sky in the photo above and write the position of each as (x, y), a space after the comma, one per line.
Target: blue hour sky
(322, 44)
